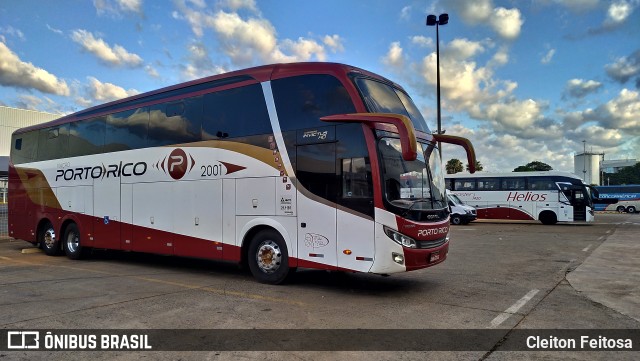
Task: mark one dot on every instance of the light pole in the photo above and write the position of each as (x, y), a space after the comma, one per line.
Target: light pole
(443, 19)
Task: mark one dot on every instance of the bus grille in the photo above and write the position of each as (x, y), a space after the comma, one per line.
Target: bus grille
(431, 243)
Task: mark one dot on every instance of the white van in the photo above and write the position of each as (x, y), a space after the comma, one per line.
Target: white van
(460, 212)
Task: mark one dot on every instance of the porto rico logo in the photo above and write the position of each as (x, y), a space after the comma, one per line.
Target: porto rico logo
(178, 163)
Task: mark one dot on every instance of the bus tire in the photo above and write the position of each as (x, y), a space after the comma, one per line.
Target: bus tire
(548, 218)
(631, 209)
(268, 257)
(456, 219)
(620, 209)
(48, 241)
(71, 242)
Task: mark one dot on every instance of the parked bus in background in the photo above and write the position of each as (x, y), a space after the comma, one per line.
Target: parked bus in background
(548, 197)
(313, 165)
(628, 197)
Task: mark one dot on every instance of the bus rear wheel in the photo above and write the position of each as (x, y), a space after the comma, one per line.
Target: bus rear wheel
(268, 257)
(72, 245)
(48, 240)
(621, 209)
(631, 209)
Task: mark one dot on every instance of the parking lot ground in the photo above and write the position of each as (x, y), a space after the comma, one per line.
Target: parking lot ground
(504, 276)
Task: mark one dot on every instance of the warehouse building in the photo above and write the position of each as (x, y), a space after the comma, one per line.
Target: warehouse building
(10, 120)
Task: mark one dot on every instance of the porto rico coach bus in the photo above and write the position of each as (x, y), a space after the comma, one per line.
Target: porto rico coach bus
(313, 165)
(548, 197)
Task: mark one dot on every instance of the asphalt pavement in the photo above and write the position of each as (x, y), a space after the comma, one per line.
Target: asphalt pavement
(611, 274)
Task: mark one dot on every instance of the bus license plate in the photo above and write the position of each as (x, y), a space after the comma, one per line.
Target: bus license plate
(434, 257)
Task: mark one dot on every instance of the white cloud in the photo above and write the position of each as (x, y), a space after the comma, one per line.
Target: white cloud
(547, 58)
(578, 6)
(394, 57)
(405, 13)
(17, 73)
(625, 68)
(10, 30)
(253, 40)
(199, 64)
(113, 56)
(621, 113)
(619, 11)
(422, 41)
(579, 88)
(461, 49)
(151, 71)
(507, 23)
(54, 30)
(334, 42)
(117, 7)
(237, 5)
(100, 92)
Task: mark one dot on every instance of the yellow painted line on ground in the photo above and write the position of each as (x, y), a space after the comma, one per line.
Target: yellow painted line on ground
(223, 291)
(218, 291)
(31, 250)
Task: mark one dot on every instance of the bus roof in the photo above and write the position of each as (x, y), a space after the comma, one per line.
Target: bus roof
(256, 74)
(551, 173)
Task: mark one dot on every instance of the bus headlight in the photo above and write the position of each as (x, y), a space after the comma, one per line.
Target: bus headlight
(400, 238)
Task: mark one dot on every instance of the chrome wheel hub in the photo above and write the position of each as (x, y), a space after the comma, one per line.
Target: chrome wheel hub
(49, 238)
(73, 242)
(269, 256)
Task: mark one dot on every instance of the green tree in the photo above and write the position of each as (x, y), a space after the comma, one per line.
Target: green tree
(479, 166)
(454, 166)
(533, 167)
(626, 175)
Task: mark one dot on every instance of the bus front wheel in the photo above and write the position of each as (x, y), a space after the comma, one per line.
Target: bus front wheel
(268, 257)
(72, 245)
(548, 218)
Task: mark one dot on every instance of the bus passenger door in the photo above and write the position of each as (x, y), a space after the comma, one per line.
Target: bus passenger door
(317, 186)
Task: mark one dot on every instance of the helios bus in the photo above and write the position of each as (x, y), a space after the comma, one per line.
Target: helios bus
(313, 165)
(548, 197)
(628, 197)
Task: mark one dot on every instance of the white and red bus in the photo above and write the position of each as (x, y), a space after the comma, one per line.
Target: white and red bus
(313, 165)
(548, 197)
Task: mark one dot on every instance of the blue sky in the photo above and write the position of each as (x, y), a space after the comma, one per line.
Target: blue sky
(524, 80)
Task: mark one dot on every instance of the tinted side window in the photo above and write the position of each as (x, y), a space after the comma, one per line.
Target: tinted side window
(354, 169)
(488, 184)
(540, 184)
(53, 143)
(87, 137)
(25, 147)
(302, 100)
(465, 184)
(175, 122)
(235, 113)
(126, 130)
(513, 184)
(316, 169)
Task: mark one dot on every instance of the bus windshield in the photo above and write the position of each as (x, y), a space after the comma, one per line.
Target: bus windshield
(416, 185)
(383, 98)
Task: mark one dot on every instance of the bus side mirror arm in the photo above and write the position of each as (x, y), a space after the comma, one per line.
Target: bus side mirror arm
(464, 143)
(405, 128)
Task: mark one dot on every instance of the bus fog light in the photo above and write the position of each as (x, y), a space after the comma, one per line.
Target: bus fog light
(398, 258)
